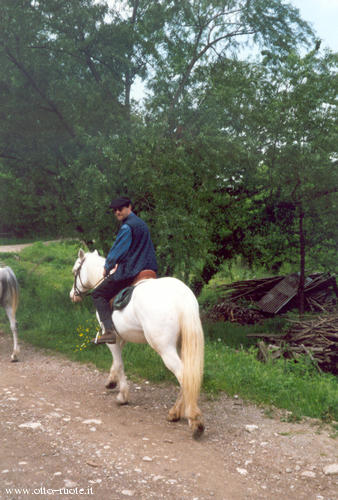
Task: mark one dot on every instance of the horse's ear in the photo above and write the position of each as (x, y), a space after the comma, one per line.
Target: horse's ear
(81, 254)
(96, 252)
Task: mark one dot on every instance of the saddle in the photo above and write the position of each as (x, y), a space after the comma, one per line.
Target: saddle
(122, 299)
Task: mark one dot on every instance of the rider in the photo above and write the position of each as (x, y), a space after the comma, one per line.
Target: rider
(131, 253)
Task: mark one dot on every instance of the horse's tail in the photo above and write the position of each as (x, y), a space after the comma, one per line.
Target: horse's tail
(192, 354)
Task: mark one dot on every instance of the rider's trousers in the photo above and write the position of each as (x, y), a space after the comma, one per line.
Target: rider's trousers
(103, 294)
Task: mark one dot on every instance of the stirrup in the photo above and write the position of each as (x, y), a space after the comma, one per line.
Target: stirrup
(110, 338)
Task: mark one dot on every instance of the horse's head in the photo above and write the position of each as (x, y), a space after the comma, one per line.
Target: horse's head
(87, 272)
(78, 288)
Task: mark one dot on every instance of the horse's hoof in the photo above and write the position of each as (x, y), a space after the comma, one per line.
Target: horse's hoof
(122, 399)
(14, 360)
(122, 403)
(111, 385)
(198, 430)
(173, 418)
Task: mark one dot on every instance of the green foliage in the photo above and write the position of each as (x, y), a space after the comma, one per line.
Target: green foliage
(212, 159)
(279, 109)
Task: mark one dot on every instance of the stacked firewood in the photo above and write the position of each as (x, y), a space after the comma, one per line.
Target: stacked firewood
(229, 311)
(236, 303)
(320, 291)
(316, 338)
(253, 289)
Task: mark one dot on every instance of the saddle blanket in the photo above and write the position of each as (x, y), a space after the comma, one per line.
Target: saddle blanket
(122, 299)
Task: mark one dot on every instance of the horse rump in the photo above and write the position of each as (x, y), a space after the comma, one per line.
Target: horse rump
(9, 288)
(9, 300)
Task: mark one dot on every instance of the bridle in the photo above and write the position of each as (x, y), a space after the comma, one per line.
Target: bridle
(87, 291)
(77, 291)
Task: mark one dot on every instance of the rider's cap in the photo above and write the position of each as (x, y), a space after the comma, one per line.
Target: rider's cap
(120, 202)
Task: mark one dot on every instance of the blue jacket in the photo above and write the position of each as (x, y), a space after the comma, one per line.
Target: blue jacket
(133, 249)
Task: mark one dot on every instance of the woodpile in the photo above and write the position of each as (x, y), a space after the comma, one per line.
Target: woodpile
(320, 293)
(229, 311)
(251, 290)
(316, 338)
(250, 301)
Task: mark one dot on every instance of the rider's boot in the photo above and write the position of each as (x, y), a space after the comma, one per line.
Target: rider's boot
(108, 337)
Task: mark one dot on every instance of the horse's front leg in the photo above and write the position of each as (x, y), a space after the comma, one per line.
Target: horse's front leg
(116, 375)
(14, 328)
(112, 379)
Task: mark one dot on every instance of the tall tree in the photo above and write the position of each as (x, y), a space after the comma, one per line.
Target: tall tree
(61, 89)
(199, 33)
(275, 189)
(72, 137)
(301, 143)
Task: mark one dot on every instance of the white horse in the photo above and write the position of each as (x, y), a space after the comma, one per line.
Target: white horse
(9, 299)
(164, 313)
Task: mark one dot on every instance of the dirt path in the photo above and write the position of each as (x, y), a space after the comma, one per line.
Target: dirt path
(61, 430)
(18, 247)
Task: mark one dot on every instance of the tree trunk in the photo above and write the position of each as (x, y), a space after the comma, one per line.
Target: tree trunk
(302, 261)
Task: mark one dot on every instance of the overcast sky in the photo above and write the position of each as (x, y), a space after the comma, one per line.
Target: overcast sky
(323, 17)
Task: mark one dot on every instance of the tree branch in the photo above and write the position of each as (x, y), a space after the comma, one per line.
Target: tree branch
(321, 194)
(31, 80)
(198, 56)
(8, 157)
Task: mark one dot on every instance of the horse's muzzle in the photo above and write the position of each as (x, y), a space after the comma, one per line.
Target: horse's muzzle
(74, 297)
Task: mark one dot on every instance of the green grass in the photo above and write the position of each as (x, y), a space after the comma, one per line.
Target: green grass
(236, 335)
(284, 384)
(47, 319)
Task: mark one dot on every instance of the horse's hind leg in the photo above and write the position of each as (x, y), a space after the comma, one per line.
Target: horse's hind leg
(195, 420)
(177, 411)
(14, 327)
(192, 413)
(185, 405)
(173, 362)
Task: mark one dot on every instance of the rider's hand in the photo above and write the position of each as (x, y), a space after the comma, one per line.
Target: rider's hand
(107, 273)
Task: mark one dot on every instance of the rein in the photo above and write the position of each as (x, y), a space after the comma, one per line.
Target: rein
(144, 275)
